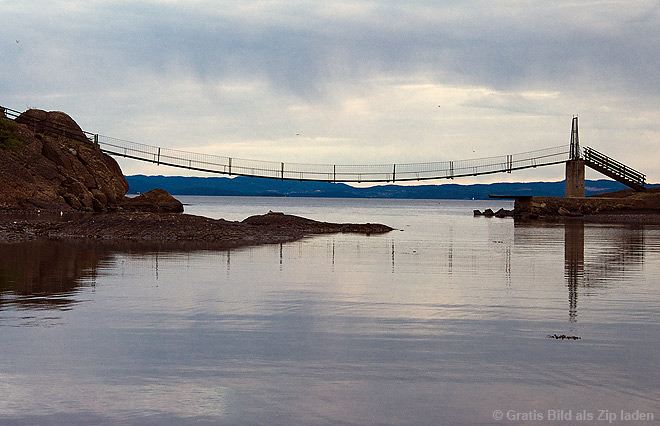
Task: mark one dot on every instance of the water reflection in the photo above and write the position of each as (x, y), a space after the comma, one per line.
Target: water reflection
(337, 329)
(614, 251)
(45, 274)
(596, 256)
(620, 253)
(573, 263)
(48, 274)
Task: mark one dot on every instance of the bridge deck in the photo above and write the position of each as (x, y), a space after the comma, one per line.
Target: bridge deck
(333, 172)
(315, 172)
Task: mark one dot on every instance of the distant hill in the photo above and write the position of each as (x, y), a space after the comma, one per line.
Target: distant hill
(246, 186)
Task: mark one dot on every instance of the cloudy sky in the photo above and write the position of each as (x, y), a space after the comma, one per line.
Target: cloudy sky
(345, 82)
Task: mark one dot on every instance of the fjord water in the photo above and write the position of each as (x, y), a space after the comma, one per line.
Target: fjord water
(445, 320)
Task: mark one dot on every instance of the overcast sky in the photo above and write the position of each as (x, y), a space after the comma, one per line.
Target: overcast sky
(345, 82)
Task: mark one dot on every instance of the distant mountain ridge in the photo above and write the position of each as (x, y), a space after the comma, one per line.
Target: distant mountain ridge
(246, 186)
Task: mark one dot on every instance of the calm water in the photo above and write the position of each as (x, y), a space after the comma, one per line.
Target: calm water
(444, 321)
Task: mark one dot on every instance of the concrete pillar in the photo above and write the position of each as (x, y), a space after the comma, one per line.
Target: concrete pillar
(575, 179)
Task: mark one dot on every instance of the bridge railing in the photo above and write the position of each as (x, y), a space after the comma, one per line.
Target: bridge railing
(615, 169)
(332, 172)
(46, 126)
(315, 172)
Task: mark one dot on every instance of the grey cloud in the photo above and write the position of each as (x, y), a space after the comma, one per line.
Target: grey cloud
(134, 56)
(311, 54)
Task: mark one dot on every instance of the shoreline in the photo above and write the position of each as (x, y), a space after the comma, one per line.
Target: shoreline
(623, 207)
(174, 228)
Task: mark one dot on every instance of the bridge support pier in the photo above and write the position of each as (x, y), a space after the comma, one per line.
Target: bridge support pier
(575, 179)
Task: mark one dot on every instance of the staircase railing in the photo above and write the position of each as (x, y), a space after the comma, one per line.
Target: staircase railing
(614, 169)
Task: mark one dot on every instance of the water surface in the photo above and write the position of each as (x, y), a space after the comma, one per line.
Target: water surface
(443, 321)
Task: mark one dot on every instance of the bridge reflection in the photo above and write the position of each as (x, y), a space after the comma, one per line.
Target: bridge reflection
(618, 250)
(49, 275)
(596, 256)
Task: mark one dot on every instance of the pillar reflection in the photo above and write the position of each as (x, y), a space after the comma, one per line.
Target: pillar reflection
(614, 252)
(573, 263)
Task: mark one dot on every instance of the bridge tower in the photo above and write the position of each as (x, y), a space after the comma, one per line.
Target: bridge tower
(575, 166)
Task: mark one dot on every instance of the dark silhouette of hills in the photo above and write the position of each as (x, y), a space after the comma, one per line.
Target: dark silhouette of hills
(246, 186)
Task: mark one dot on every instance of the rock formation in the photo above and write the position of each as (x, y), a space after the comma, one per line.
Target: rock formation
(48, 163)
(155, 201)
(622, 205)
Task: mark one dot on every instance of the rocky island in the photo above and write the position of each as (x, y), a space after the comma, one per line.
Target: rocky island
(50, 170)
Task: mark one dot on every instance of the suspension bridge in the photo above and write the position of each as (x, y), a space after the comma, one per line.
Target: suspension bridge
(395, 172)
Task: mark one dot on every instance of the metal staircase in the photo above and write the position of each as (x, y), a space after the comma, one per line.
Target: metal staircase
(614, 169)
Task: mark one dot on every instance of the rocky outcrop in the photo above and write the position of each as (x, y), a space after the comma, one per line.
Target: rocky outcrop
(280, 221)
(622, 205)
(48, 163)
(141, 227)
(156, 201)
(52, 123)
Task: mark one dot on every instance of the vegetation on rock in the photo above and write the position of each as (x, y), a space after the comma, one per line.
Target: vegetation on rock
(10, 139)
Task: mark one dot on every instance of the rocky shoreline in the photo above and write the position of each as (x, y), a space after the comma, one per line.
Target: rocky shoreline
(625, 206)
(141, 227)
(621, 206)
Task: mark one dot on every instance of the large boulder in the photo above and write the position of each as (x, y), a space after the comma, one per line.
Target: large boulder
(48, 163)
(156, 201)
(53, 123)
